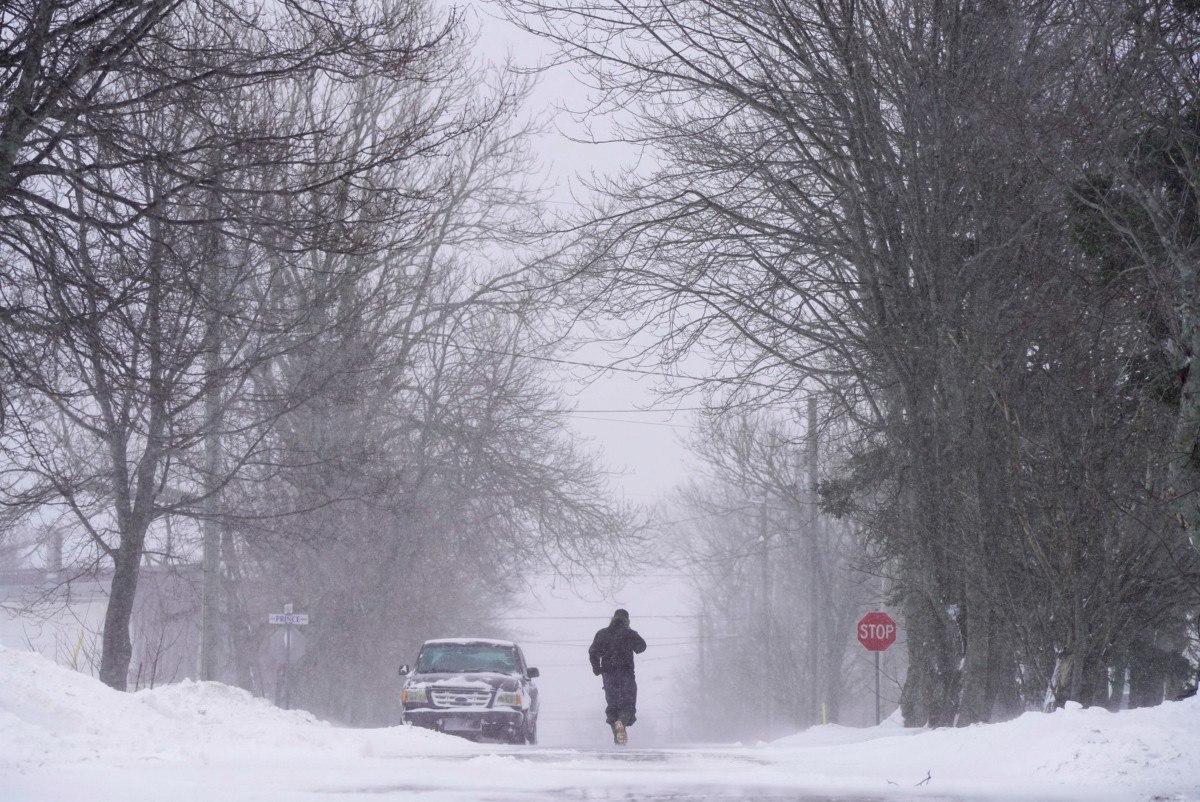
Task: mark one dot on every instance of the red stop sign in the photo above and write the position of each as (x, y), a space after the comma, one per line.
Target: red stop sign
(876, 631)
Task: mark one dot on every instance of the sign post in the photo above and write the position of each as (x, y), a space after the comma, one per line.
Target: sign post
(876, 631)
(288, 619)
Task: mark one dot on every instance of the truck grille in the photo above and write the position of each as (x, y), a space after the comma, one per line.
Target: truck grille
(460, 697)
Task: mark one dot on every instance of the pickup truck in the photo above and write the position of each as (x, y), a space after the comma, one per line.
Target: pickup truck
(476, 688)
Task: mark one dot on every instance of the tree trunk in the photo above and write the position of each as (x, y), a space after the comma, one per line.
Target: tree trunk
(1145, 671)
(1004, 695)
(117, 646)
(241, 636)
(1056, 689)
(976, 621)
(975, 624)
(1117, 674)
(931, 685)
(915, 696)
(1184, 467)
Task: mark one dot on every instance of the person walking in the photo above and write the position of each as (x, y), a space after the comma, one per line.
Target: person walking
(611, 654)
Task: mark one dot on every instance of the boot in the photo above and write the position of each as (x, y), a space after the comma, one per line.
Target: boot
(620, 736)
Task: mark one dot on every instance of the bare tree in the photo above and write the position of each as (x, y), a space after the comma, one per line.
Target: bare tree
(110, 330)
(781, 582)
(871, 199)
(1136, 209)
(415, 463)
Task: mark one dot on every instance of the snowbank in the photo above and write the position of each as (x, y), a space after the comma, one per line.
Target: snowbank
(53, 719)
(1151, 753)
(65, 736)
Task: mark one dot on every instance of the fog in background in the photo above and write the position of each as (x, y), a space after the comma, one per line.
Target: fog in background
(427, 322)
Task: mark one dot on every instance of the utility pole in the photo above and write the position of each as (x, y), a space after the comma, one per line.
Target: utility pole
(814, 615)
(768, 646)
(704, 718)
(210, 599)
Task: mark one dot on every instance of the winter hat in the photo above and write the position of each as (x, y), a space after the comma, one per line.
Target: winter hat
(622, 615)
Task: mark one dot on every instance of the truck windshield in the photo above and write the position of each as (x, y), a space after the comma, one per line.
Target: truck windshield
(447, 657)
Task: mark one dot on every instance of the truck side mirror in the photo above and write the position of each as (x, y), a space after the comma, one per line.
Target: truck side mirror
(532, 673)
(404, 669)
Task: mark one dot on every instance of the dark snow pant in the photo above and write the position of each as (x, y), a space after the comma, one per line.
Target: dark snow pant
(620, 692)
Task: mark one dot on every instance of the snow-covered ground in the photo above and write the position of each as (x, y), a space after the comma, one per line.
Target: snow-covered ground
(64, 736)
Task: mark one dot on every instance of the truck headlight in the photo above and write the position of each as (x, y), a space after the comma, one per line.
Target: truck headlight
(414, 694)
(508, 698)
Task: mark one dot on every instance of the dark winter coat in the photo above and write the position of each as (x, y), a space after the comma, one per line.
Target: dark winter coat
(614, 646)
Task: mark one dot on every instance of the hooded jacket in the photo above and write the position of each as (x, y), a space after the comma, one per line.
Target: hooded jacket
(614, 646)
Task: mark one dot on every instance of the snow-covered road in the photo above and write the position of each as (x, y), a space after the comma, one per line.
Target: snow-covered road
(64, 737)
(485, 774)
(684, 774)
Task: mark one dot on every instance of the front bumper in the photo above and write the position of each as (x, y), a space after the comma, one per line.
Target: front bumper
(486, 723)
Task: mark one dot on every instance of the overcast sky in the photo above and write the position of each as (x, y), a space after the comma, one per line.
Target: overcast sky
(643, 448)
(556, 619)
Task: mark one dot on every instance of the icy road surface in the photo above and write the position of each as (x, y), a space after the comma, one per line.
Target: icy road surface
(706, 774)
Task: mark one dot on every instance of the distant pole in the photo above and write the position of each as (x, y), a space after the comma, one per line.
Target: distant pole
(210, 566)
(210, 570)
(877, 716)
(703, 662)
(287, 660)
(287, 667)
(768, 707)
(814, 606)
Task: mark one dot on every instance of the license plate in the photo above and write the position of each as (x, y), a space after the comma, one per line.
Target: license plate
(452, 724)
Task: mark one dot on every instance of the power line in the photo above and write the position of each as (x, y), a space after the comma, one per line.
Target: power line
(636, 422)
(594, 617)
(583, 664)
(671, 411)
(658, 643)
(741, 381)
